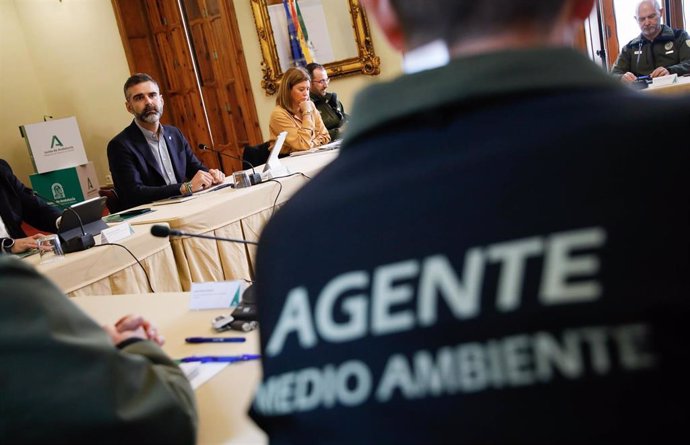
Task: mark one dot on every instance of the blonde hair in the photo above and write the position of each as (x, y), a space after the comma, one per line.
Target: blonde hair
(291, 77)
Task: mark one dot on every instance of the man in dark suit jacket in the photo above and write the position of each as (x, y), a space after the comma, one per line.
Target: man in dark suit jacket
(151, 161)
(18, 204)
(498, 255)
(64, 379)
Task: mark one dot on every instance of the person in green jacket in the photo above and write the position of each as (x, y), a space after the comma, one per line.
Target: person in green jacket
(330, 108)
(64, 379)
(657, 51)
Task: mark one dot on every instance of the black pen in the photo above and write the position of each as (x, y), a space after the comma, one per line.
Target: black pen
(215, 339)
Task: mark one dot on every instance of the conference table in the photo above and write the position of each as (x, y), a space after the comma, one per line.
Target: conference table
(228, 213)
(110, 269)
(223, 401)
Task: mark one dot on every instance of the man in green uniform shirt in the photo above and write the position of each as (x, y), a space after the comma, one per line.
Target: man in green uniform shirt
(330, 108)
(64, 379)
(657, 51)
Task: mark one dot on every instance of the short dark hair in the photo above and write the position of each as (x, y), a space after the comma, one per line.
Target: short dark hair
(136, 79)
(455, 20)
(314, 66)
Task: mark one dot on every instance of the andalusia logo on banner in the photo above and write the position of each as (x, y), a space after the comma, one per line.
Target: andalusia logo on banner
(58, 191)
(55, 141)
(55, 144)
(57, 147)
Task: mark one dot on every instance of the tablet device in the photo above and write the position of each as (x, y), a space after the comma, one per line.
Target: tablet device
(90, 212)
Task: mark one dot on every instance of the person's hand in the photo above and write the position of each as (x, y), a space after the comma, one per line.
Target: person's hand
(23, 244)
(306, 107)
(201, 180)
(217, 175)
(659, 72)
(133, 326)
(628, 77)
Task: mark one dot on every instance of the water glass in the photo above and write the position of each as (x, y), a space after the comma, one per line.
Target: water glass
(50, 249)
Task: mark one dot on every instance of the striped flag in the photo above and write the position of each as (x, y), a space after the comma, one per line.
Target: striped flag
(300, 32)
(309, 55)
(295, 47)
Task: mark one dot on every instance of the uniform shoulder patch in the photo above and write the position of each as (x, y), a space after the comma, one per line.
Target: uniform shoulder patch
(687, 42)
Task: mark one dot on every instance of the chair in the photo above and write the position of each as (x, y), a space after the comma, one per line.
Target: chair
(112, 201)
(256, 154)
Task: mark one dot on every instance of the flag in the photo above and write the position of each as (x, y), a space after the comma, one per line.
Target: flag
(300, 33)
(305, 33)
(295, 47)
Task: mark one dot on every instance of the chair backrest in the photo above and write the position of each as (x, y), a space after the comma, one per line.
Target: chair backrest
(112, 201)
(256, 154)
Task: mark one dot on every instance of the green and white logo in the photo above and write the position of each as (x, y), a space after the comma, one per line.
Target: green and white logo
(58, 191)
(55, 141)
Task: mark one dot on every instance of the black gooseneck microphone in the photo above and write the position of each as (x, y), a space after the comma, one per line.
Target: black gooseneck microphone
(254, 178)
(204, 147)
(165, 231)
(79, 242)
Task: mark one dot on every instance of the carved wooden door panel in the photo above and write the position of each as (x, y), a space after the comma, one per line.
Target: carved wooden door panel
(179, 84)
(220, 58)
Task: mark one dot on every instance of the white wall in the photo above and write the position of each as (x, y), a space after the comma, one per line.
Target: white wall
(21, 100)
(65, 58)
(73, 52)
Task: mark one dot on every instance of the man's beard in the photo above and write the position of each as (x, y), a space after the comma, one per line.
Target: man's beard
(651, 31)
(151, 114)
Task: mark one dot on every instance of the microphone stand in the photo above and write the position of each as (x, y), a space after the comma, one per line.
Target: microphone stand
(254, 178)
(204, 147)
(162, 231)
(79, 242)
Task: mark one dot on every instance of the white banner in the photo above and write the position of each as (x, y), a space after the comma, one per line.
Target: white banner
(55, 144)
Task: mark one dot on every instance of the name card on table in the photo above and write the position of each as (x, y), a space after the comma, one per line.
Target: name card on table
(216, 295)
(665, 80)
(116, 233)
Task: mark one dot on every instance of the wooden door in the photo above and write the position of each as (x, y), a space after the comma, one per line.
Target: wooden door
(223, 77)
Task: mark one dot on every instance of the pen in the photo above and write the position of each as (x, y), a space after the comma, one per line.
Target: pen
(220, 358)
(215, 339)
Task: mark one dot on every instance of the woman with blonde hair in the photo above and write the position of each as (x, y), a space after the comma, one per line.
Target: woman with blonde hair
(296, 114)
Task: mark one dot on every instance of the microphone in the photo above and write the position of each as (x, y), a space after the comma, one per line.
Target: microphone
(162, 231)
(79, 242)
(254, 178)
(204, 147)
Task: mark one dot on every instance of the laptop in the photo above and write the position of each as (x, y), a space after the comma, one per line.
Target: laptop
(273, 167)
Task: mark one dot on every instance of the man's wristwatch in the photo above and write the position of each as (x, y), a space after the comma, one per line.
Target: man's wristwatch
(7, 244)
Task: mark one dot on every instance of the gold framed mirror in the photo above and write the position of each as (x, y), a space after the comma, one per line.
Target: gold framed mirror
(326, 23)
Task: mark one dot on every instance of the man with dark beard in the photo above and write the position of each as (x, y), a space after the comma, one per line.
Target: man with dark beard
(331, 109)
(150, 161)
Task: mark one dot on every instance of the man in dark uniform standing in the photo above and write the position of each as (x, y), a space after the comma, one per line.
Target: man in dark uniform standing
(657, 51)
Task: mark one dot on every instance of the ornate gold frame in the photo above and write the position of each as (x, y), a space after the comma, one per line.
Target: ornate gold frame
(366, 62)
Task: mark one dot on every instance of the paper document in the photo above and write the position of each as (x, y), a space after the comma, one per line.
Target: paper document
(200, 373)
(173, 200)
(325, 147)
